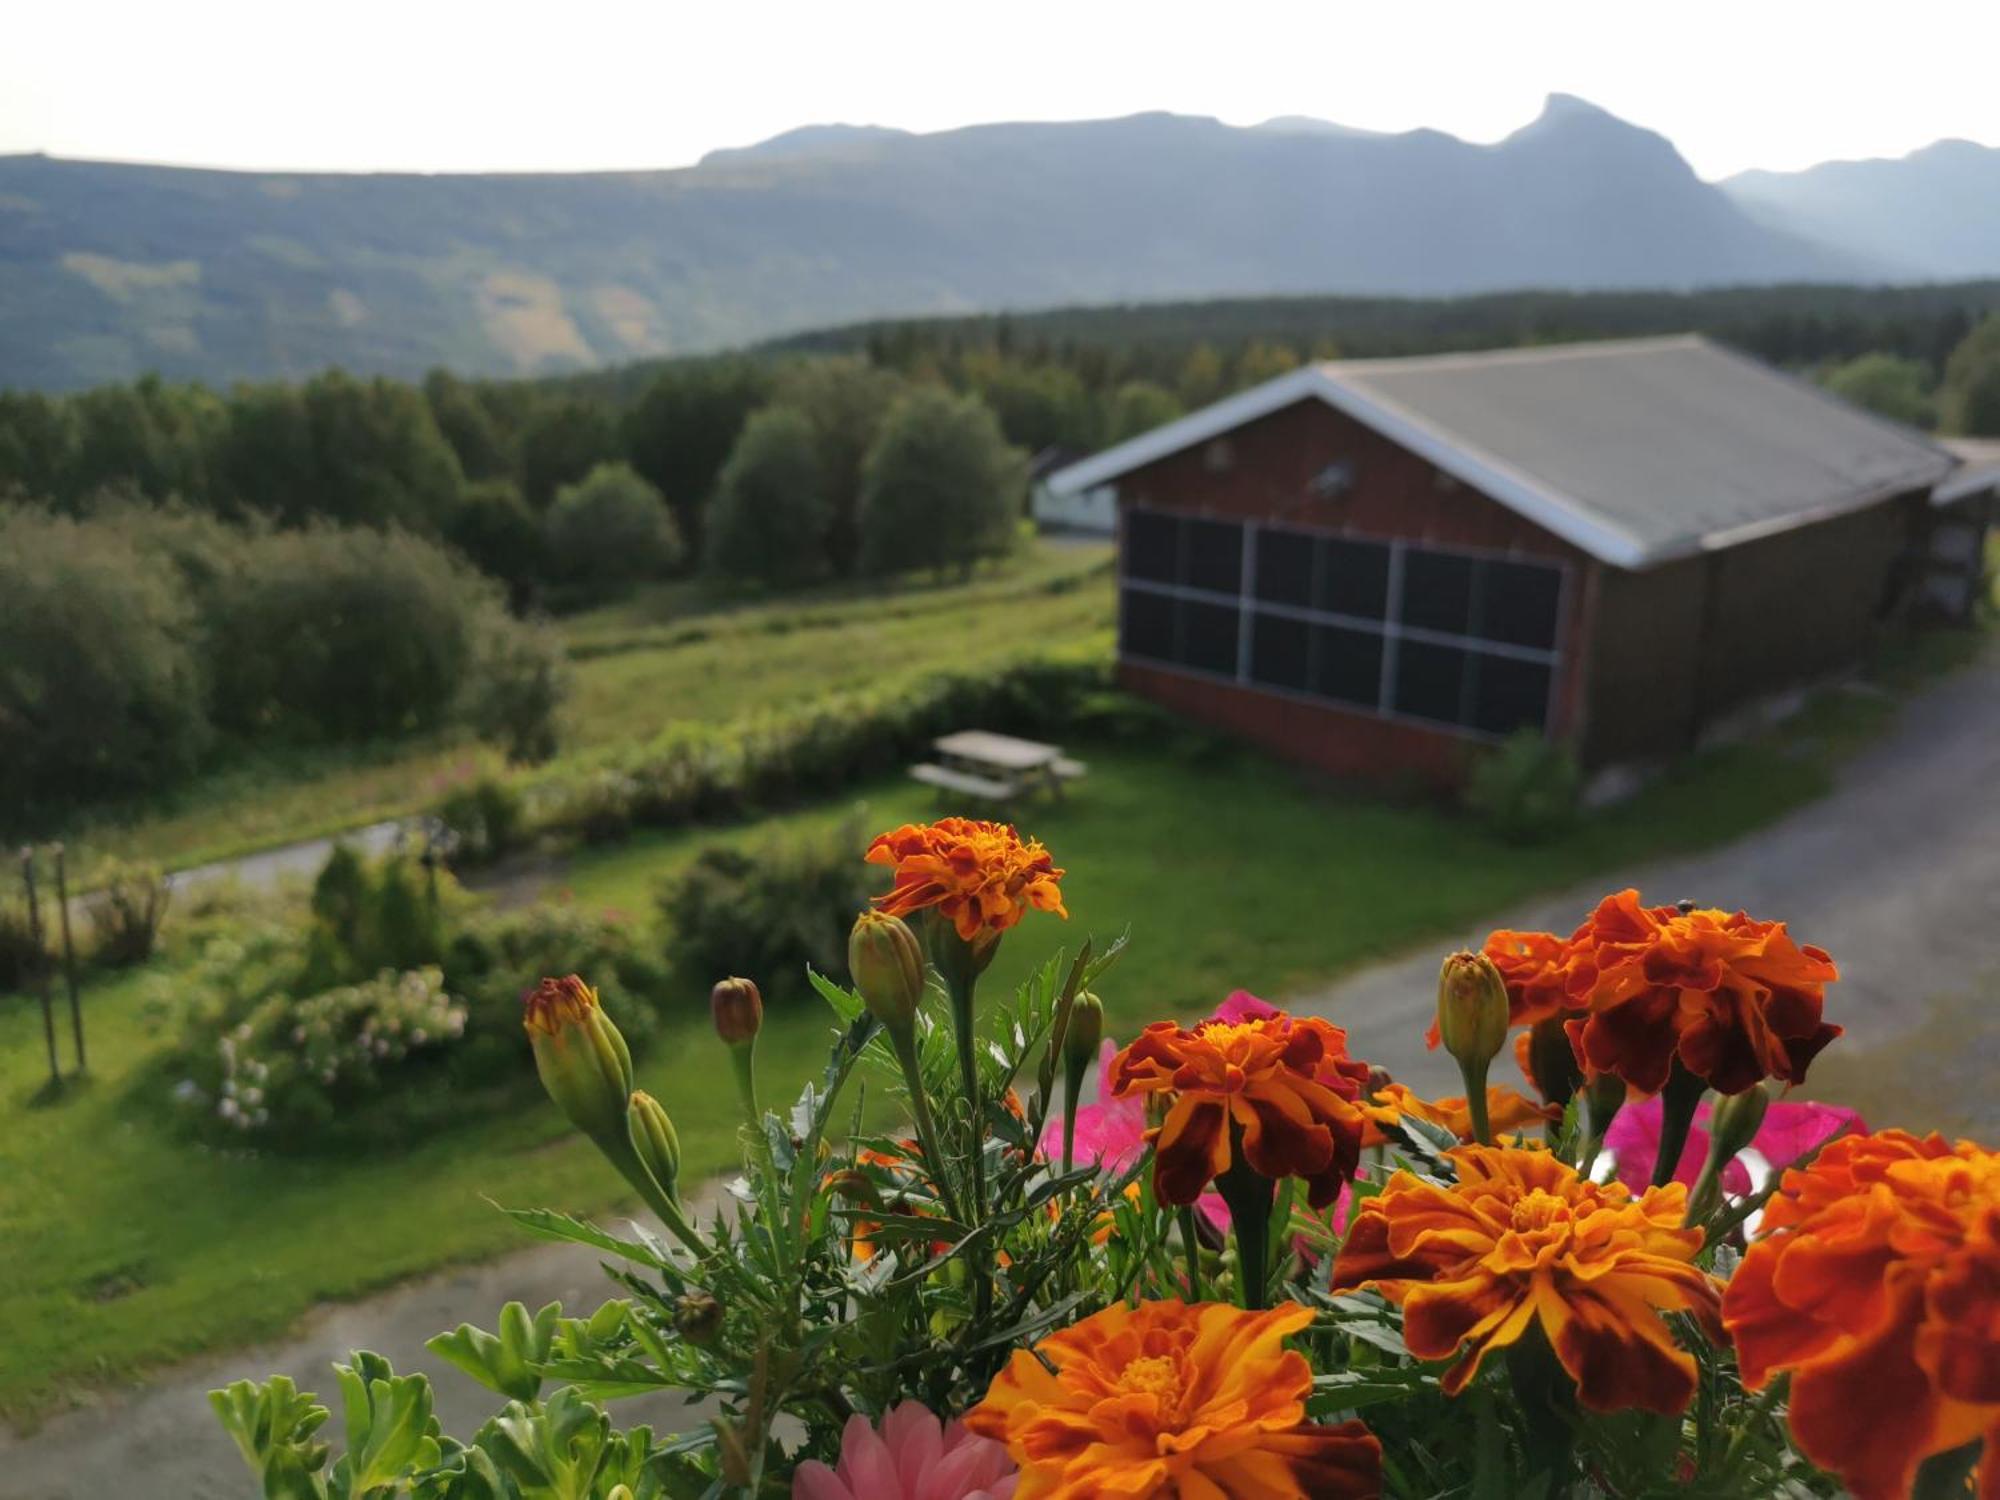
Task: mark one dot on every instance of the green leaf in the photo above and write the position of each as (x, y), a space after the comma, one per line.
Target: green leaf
(566, 1228)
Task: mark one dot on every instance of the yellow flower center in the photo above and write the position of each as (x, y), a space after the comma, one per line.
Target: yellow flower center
(1540, 1211)
(1156, 1375)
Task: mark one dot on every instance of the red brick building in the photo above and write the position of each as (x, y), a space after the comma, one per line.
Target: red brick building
(1373, 566)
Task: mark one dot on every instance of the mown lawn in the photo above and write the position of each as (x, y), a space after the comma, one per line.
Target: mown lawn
(127, 1246)
(675, 655)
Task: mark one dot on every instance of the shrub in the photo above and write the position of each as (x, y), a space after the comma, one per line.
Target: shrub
(128, 914)
(1887, 384)
(369, 919)
(770, 515)
(291, 1069)
(517, 684)
(340, 635)
(1526, 790)
(102, 686)
(489, 817)
(611, 528)
(767, 911)
(23, 954)
(941, 488)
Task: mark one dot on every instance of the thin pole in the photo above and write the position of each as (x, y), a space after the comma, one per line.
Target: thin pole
(41, 962)
(69, 961)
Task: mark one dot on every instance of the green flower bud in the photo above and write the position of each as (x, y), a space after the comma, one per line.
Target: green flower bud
(698, 1318)
(1734, 1123)
(737, 1009)
(581, 1057)
(1472, 1009)
(888, 968)
(654, 1139)
(1086, 1031)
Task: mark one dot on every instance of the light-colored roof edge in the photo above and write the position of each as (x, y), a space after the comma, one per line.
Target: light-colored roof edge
(1556, 511)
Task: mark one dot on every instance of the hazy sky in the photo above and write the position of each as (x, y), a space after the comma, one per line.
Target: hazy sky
(438, 85)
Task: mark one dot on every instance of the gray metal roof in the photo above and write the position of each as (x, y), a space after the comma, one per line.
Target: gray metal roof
(1637, 451)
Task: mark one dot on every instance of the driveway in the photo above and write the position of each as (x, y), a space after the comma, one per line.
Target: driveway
(1897, 872)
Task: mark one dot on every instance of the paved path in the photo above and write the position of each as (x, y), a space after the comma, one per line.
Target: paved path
(269, 866)
(1898, 870)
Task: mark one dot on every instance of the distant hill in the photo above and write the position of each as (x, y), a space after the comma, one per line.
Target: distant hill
(1936, 210)
(109, 270)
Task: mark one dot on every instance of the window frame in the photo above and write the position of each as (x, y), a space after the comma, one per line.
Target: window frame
(1389, 627)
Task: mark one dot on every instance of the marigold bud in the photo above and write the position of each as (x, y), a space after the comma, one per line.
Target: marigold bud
(1734, 1122)
(1086, 1030)
(1552, 1062)
(855, 1186)
(737, 1008)
(655, 1140)
(698, 1318)
(888, 967)
(581, 1057)
(1472, 1008)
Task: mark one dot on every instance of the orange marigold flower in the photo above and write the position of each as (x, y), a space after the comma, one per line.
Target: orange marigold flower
(1506, 1109)
(1533, 965)
(1736, 1000)
(1875, 1280)
(1170, 1399)
(1520, 1239)
(983, 877)
(1282, 1086)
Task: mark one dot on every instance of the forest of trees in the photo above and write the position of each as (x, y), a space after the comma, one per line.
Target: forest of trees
(772, 466)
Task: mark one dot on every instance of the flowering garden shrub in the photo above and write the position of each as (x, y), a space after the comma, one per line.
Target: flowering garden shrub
(1254, 1268)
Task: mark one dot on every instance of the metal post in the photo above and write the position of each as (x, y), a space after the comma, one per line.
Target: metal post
(69, 961)
(41, 961)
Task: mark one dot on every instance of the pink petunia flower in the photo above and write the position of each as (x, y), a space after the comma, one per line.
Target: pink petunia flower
(913, 1456)
(1112, 1132)
(1789, 1131)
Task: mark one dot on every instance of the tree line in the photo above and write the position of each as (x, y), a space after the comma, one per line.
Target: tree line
(878, 448)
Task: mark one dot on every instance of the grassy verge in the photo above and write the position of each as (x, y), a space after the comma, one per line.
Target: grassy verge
(129, 1247)
(674, 655)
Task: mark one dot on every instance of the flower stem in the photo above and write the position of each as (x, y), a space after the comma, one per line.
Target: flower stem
(1191, 1242)
(1475, 1100)
(903, 1039)
(1677, 1105)
(960, 985)
(1249, 1197)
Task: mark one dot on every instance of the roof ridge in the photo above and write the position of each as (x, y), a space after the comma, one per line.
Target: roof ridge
(1519, 354)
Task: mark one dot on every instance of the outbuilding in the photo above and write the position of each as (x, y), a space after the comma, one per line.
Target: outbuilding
(1375, 566)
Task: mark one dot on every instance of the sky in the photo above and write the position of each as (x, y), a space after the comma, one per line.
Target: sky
(439, 85)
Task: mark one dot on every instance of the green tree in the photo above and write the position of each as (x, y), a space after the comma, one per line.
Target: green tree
(1970, 393)
(1886, 384)
(770, 515)
(941, 486)
(102, 690)
(680, 431)
(1139, 406)
(378, 457)
(1040, 406)
(1261, 361)
(561, 441)
(611, 528)
(37, 446)
(845, 400)
(493, 527)
(474, 435)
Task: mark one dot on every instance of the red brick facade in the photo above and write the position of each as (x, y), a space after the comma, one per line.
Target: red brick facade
(1264, 471)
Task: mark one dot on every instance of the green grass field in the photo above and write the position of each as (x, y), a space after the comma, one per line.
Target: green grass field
(673, 655)
(128, 1246)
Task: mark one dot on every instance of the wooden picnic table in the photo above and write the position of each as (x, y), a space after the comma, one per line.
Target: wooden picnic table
(980, 763)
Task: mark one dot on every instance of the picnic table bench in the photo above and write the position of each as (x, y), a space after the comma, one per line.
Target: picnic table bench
(996, 767)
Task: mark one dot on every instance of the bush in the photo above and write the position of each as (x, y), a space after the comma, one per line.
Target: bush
(1526, 790)
(128, 914)
(368, 919)
(102, 689)
(291, 1069)
(518, 681)
(23, 954)
(766, 912)
(941, 488)
(770, 515)
(342, 635)
(611, 528)
(1886, 384)
(489, 817)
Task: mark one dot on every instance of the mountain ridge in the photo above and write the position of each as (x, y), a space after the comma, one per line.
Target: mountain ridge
(110, 269)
